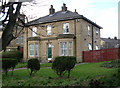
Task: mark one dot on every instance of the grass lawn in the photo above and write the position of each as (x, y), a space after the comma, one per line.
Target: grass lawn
(21, 65)
(80, 75)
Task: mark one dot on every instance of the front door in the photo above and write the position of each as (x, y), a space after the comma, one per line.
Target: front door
(49, 52)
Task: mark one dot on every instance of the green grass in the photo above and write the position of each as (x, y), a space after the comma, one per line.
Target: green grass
(80, 75)
(21, 65)
(46, 65)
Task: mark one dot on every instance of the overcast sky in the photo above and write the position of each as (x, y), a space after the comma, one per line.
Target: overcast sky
(103, 12)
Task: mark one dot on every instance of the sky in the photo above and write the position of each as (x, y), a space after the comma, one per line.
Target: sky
(102, 12)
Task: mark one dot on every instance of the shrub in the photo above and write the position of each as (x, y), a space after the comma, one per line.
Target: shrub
(8, 63)
(63, 63)
(33, 65)
(111, 64)
(13, 54)
(95, 83)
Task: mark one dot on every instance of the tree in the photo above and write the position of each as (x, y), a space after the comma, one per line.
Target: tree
(9, 21)
(9, 15)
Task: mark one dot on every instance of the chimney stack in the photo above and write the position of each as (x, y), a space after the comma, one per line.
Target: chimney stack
(75, 11)
(64, 8)
(115, 38)
(51, 10)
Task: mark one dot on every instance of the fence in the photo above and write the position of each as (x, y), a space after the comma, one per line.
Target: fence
(101, 55)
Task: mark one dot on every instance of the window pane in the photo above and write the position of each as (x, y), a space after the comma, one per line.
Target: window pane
(49, 30)
(63, 48)
(70, 48)
(96, 33)
(31, 50)
(21, 40)
(97, 47)
(89, 30)
(34, 31)
(89, 46)
(65, 28)
(36, 50)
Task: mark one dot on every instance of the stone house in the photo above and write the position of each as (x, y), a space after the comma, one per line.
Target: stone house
(108, 43)
(62, 33)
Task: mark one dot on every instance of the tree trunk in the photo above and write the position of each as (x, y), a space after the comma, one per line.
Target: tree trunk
(60, 74)
(31, 72)
(6, 72)
(12, 71)
(68, 73)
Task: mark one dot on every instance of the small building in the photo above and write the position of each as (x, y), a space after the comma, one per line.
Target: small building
(62, 33)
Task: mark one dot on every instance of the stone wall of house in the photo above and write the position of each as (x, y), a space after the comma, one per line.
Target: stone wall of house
(82, 38)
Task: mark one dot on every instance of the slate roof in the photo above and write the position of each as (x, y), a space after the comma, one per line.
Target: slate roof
(111, 40)
(60, 16)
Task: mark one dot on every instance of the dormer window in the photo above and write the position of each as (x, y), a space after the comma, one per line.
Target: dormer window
(65, 28)
(49, 30)
(34, 32)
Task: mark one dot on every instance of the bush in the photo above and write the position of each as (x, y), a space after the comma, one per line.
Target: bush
(8, 63)
(13, 54)
(33, 65)
(111, 64)
(63, 63)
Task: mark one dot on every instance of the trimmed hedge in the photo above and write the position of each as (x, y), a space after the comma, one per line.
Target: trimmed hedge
(63, 63)
(33, 65)
(8, 63)
(13, 54)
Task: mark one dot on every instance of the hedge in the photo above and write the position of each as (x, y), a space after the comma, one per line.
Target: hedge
(8, 63)
(13, 54)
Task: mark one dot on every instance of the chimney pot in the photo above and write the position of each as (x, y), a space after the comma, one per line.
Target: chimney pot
(76, 11)
(64, 8)
(51, 10)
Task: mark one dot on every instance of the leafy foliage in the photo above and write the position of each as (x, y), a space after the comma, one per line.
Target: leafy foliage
(63, 63)
(8, 63)
(111, 64)
(13, 54)
(33, 65)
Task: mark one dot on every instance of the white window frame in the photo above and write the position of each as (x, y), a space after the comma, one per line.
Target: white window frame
(89, 46)
(48, 29)
(70, 48)
(65, 29)
(31, 49)
(34, 31)
(36, 49)
(89, 30)
(17, 40)
(63, 48)
(97, 33)
(22, 40)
